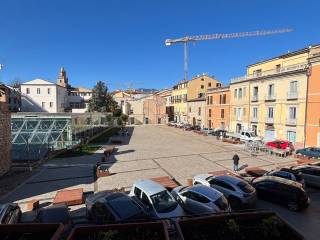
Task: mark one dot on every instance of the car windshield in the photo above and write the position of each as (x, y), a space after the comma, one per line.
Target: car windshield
(245, 187)
(222, 203)
(163, 202)
(124, 207)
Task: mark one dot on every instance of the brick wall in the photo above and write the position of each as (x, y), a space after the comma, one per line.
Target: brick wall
(5, 138)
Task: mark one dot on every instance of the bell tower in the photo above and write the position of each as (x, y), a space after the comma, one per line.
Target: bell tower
(62, 79)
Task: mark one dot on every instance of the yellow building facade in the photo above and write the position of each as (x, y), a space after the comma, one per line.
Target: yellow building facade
(273, 98)
(178, 101)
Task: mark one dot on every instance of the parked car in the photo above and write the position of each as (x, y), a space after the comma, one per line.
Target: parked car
(244, 136)
(10, 213)
(54, 214)
(281, 191)
(196, 128)
(219, 132)
(311, 174)
(208, 131)
(158, 201)
(187, 127)
(287, 173)
(200, 199)
(238, 192)
(281, 144)
(107, 206)
(309, 152)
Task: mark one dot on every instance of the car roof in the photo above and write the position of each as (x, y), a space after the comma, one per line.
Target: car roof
(149, 187)
(229, 179)
(274, 179)
(206, 191)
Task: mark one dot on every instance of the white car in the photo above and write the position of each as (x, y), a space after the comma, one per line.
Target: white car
(200, 199)
(239, 193)
(158, 201)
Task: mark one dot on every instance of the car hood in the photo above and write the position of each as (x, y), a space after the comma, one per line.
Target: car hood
(177, 212)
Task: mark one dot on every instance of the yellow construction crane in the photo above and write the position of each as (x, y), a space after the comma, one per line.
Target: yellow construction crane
(187, 39)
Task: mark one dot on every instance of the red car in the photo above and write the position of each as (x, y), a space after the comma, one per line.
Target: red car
(281, 144)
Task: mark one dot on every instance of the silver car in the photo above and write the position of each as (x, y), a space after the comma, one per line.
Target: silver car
(239, 193)
(311, 174)
(158, 201)
(200, 199)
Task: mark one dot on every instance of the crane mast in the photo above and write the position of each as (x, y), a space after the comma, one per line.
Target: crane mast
(215, 36)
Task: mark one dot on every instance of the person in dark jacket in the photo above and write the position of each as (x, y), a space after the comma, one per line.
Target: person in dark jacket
(235, 162)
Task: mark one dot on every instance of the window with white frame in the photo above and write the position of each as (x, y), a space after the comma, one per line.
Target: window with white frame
(38, 90)
(236, 93)
(271, 90)
(51, 104)
(240, 93)
(255, 113)
(49, 91)
(293, 87)
(28, 90)
(270, 112)
(292, 113)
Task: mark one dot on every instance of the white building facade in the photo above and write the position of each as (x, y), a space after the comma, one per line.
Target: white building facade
(40, 95)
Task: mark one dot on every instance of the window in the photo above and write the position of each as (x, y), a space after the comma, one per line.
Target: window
(211, 100)
(255, 112)
(137, 192)
(218, 85)
(291, 136)
(28, 90)
(202, 86)
(209, 84)
(278, 68)
(240, 93)
(43, 104)
(255, 93)
(199, 111)
(51, 104)
(293, 87)
(208, 99)
(271, 91)
(189, 109)
(235, 93)
(244, 91)
(222, 113)
(292, 113)
(210, 114)
(38, 90)
(270, 112)
(209, 123)
(257, 73)
(223, 98)
(49, 91)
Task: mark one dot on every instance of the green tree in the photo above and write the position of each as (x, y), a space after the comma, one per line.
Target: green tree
(101, 100)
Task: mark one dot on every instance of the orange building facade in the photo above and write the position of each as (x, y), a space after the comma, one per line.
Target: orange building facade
(312, 128)
(218, 108)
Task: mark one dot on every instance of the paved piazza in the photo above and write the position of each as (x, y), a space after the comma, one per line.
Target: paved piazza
(155, 151)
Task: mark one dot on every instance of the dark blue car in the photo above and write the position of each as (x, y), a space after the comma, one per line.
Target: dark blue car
(309, 152)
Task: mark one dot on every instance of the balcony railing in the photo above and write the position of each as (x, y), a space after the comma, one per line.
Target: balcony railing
(292, 95)
(275, 71)
(269, 119)
(270, 97)
(291, 121)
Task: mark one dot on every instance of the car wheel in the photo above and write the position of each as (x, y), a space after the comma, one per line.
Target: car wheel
(292, 206)
(235, 203)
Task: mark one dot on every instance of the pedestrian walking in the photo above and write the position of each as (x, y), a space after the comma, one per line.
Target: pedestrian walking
(236, 162)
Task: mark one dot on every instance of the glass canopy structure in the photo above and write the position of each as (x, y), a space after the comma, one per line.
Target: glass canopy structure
(34, 135)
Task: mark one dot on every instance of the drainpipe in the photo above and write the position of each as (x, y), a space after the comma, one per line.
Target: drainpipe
(309, 69)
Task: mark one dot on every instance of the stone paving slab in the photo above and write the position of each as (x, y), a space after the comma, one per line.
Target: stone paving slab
(184, 167)
(226, 155)
(127, 179)
(132, 166)
(252, 162)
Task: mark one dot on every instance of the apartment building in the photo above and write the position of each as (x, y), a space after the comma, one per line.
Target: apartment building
(197, 111)
(40, 95)
(312, 130)
(178, 101)
(218, 108)
(78, 99)
(198, 86)
(271, 98)
(13, 97)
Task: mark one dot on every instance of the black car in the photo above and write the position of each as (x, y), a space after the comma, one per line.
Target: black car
(9, 213)
(107, 206)
(54, 214)
(281, 191)
(219, 133)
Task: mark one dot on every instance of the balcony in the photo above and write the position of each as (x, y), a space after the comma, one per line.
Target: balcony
(254, 98)
(292, 95)
(276, 71)
(291, 121)
(269, 120)
(270, 97)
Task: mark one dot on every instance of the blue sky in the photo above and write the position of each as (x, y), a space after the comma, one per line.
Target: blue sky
(121, 41)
